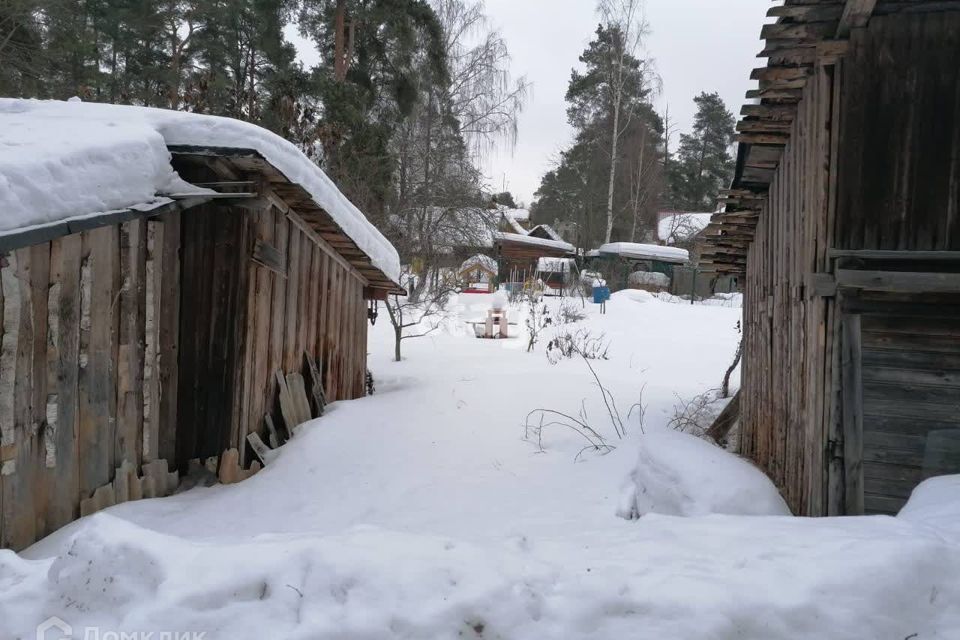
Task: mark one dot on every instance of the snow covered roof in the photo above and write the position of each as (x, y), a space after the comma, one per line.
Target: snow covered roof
(545, 231)
(645, 252)
(514, 225)
(480, 260)
(680, 227)
(66, 160)
(531, 240)
(521, 215)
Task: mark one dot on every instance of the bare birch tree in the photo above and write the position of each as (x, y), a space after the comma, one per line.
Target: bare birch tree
(626, 21)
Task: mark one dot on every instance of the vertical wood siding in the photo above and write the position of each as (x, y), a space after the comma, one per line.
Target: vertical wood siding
(158, 340)
(786, 328)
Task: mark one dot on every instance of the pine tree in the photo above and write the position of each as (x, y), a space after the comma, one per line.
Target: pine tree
(704, 163)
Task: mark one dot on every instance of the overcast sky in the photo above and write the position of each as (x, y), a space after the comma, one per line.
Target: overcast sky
(698, 45)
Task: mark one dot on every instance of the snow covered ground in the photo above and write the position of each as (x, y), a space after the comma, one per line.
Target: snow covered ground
(422, 512)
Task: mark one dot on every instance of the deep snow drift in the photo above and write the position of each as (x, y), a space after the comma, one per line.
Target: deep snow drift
(421, 513)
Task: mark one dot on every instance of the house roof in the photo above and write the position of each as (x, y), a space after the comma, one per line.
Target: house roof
(482, 261)
(546, 232)
(805, 34)
(533, 241)
(637, 251)
(66, 165)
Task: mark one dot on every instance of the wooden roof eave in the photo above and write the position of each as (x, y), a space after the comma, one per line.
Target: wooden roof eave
(804, 35)
(298, 200)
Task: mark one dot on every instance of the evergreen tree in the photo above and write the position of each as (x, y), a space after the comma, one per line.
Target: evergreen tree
(578, 189)
(704, 162)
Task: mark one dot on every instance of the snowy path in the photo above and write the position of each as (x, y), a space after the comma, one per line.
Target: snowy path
(421, 512)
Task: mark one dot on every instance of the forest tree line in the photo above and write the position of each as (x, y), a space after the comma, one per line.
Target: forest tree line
(622, 167)
(406, 102)
(407, 98)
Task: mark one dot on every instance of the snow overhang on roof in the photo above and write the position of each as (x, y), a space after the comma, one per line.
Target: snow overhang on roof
(636, 251)
(533, 241)
(67, 162)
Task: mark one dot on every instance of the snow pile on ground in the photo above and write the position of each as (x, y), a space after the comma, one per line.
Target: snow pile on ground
(422, 513)
(67, 159)
(936, 503)
(682, 475)
(648, 279)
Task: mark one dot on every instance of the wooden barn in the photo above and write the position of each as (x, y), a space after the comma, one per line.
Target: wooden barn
(161, 336)
(844, 218)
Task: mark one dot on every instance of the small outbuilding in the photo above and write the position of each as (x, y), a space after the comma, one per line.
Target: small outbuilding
(174, 290)
(478, 274)
(519, 253)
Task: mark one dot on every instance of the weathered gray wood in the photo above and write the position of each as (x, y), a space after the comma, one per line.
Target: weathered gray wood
(132, 336)
(298, 393)
(856, 14)
(852, 415)
(63, 506)
(288, 408)
(315, 385)
(168, 337)
(98, 394)
(894, 281)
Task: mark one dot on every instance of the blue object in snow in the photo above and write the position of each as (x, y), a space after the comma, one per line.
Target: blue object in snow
(601, 294)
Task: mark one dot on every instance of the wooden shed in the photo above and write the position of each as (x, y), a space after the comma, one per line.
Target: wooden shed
(843, 218)
(140, 342)
(519, 253)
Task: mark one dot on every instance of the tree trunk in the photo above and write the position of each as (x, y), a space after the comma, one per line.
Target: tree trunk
(725, 388)
(339, 42)
(398, 336)
(613, 164)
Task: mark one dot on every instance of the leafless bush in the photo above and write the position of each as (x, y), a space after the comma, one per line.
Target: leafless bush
(694, 416)
(568, 313)
(579, 343)
(537, 320)
(540, 419)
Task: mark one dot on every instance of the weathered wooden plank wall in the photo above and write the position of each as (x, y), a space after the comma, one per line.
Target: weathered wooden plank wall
(898, 166)
(100, 370)
(787, 328)
(73, 395)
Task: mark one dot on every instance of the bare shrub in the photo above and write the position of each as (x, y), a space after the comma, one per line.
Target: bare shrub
(568, 313)
(694, 416)
(537, 320)
(540, 419)
(578, 343)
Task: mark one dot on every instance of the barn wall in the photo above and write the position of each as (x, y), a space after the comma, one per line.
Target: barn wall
(786, 328)
(309, 302)
(89, 340)
(899, 168)
(872, 163)
(132, 347)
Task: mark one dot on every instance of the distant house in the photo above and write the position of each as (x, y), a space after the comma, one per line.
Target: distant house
(519, 253)
(843, 220)
(163, 277)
